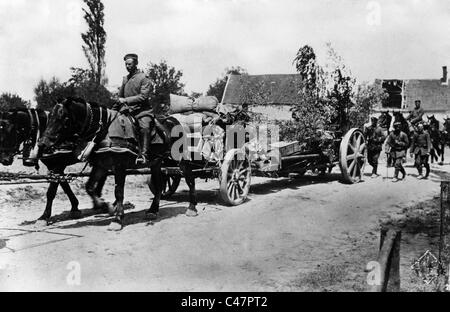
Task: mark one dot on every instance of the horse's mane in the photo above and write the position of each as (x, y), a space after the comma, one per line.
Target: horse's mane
(81, 100)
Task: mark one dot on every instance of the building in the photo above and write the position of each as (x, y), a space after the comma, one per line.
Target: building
(434, 94)
(272, 96)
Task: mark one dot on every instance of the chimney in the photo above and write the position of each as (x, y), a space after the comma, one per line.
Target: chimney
(444, 75)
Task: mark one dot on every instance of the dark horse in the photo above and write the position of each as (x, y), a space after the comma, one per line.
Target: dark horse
(437, 139)
(445, 135)
(24, 127)
(67, 120)
(405, 126)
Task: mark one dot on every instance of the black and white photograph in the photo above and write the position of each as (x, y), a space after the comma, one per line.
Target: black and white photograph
(219, 146)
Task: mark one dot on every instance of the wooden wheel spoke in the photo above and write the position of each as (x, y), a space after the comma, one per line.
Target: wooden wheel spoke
(231, 189)
(243, 172)
(362, 147)
(239, 188)
(352, 165)
(235, 178)
(355, 169)
(352, 148)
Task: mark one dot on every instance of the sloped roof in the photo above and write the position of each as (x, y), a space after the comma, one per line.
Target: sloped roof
(263, 89)
(431, 92)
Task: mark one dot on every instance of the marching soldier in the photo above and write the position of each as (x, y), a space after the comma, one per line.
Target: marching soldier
(375, 139)
(134, 99)
(421, 148)
(397, 144)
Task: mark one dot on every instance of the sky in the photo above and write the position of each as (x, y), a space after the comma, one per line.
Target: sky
(403, 39)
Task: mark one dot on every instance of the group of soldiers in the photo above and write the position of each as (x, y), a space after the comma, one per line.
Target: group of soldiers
(396, 144)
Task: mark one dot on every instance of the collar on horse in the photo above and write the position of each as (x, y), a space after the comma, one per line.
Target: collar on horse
(87, 121)
(33, 133)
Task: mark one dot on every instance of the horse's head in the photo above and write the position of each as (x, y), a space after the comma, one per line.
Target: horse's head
(62, 126)
(9, 142)
(447, 124)
(398, 116)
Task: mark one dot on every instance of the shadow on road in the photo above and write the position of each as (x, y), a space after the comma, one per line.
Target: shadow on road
(131, 218)
(178, 203)
(276, 185)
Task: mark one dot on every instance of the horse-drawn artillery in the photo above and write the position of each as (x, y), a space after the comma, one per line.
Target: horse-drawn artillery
(348, 152)
(79, 121)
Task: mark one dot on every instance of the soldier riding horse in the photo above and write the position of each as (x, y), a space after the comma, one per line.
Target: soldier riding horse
(116, 154)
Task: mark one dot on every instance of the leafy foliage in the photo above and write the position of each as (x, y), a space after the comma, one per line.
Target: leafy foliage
(367, 97)
(12, 101)
(47, 93)
(311, 111)
(218, 88)
(165, 80)
(306, 65)
(85, 87)
(340, 89)
(95, 39)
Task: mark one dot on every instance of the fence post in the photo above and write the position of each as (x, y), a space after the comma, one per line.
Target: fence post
(444, 199)
(389, 260)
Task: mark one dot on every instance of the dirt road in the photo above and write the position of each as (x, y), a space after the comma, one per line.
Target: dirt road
(306, 234)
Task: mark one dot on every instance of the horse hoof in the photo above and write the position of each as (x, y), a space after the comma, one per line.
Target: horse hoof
(191, 213)
(151, 216)
(115, 226)
(75, 214)
(41, 223)
(111, 209)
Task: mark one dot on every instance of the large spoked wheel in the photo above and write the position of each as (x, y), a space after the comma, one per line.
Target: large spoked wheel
(170, 185)
(352, 156)
(235, 177)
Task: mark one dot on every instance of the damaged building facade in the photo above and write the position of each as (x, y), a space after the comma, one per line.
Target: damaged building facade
(434, 95)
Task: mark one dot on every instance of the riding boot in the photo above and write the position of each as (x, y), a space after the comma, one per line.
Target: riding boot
(144, 145)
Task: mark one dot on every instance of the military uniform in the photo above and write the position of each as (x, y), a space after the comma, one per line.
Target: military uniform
(135, 91)
(375, 139)
(416, 116)
(421, 147)
(397, 144)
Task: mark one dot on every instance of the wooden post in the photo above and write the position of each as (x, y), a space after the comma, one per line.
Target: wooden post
(445, 198)
(389, 260)
(394, 279)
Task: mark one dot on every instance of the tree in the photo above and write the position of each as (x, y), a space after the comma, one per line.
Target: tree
(367, 97)
(165, 80)
(306, 65)
(12, 101)
(217, 88)
(340, 89)
(311, 111)
(95, 39)
(47, 93)
(86, 88)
